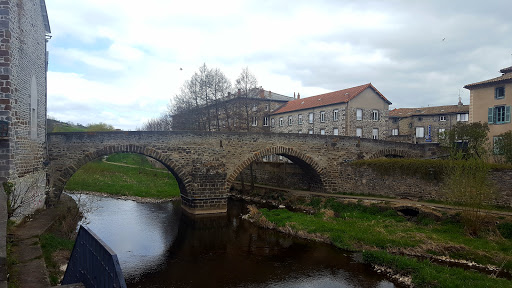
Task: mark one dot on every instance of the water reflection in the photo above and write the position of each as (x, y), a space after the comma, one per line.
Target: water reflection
(158, 246)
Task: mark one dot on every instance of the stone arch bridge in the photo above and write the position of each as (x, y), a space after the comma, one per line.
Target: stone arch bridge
(205, 164)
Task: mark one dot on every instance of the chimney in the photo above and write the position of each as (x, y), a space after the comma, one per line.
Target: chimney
(239, 92)
(298, 95)
(460, 101)
(262, 93)
(293, 95)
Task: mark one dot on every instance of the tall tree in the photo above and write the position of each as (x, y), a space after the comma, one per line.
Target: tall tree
(246, 84)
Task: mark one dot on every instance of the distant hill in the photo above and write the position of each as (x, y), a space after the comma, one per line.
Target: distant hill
(53, 125)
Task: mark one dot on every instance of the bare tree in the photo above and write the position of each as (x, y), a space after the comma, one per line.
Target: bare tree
(246, 84)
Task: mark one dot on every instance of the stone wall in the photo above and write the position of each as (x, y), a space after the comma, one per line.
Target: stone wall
(207, 163)
(23, 96)
(276, 174)
(363, 180)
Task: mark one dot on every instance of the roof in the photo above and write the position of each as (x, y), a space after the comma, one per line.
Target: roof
(505, 78)
(435, 110)
(506, 70)
(45, 17)
(341, 96)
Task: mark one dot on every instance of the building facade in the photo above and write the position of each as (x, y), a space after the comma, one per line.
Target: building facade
(490, 103)
(358, 111)
(24, 31)
(236, 112)
(427, 124)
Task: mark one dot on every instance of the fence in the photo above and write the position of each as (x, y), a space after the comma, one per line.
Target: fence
(93, 263)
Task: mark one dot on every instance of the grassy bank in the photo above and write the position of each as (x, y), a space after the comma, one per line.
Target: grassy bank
(140, 181)
(392, 239)
(55, 247)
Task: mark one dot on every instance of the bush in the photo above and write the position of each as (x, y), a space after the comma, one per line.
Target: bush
(505, 230)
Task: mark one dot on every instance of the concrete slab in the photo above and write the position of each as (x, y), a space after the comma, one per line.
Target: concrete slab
(33, 274)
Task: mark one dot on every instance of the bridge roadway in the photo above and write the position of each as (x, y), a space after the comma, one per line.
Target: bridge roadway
(205, 164)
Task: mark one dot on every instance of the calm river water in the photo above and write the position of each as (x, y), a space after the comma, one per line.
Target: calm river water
(159, 246)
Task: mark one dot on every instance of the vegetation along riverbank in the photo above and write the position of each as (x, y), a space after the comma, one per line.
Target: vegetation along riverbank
(130, 175)
(432, 251)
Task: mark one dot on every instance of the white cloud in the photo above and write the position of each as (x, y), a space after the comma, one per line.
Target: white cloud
(121, 63)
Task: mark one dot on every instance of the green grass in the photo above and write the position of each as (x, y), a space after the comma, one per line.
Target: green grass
(98, 176)
(68, 128)
(426, 274)
(50, 244)
(131, 159)
(361, 228)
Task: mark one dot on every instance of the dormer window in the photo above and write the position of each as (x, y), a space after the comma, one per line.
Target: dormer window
(499, 92)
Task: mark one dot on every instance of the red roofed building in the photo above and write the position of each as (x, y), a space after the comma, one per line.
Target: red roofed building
(358, 111)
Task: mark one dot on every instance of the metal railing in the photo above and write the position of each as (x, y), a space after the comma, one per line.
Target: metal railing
(93, 263)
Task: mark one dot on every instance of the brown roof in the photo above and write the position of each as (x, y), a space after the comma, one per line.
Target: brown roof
(436, 110)
(341, 96)
(506, 70)
(506, 77)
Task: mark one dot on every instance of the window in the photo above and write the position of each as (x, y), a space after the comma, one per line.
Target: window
(375, 133)
(322, 131)
(440, 133)
(265, 121)
(311, 115)
(335, 115)
(499, 93)
(335, 131)
(254, 121)
(463, 117)
(290, 120)
(499, 115)
(442, 118)
(420, 132)
(322, 116)
(300, 119)
(272, 122)
(280, 121)
(395, 119)
(310, 131)
(359, 114)
(266, 107)
(359, 132)
(394, 131)
(375, 115)
(254, 107)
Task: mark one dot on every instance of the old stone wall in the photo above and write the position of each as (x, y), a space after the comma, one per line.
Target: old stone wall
(23, 96)
(276, 174)
(207, 163)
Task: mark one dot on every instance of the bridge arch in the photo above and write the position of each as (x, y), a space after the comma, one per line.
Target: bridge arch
(303, 160)
(59, 184)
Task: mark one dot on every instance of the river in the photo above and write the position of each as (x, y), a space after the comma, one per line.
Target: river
(159, 246)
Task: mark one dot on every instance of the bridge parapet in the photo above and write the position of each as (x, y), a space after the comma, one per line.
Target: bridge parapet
(206, 163)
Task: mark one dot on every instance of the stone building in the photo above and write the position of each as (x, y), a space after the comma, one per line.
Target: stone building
(358, 111)
(420, 125)
(24, 31)
(490, 103)
(233, 113)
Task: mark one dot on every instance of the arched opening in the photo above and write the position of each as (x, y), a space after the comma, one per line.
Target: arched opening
(277, 167)
(161, 168)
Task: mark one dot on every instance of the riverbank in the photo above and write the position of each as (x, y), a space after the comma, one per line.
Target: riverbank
(423, 248)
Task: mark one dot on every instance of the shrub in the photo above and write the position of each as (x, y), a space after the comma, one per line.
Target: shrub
(505, 230)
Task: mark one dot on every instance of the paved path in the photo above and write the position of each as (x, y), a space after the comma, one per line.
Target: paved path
(404, 202)
(30, 267)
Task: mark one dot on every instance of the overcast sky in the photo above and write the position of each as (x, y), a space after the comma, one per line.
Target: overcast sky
(118, 61)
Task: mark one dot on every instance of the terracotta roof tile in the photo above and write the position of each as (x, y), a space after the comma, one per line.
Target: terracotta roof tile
(436, 110)
(341, 96)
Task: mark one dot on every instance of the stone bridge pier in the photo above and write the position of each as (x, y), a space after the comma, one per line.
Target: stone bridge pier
(205, 164)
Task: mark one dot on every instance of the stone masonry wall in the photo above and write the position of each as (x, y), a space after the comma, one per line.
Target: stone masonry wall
(23, 99)
(207, 163)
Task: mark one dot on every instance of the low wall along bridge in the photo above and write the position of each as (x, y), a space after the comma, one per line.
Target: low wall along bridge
(205, 164)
